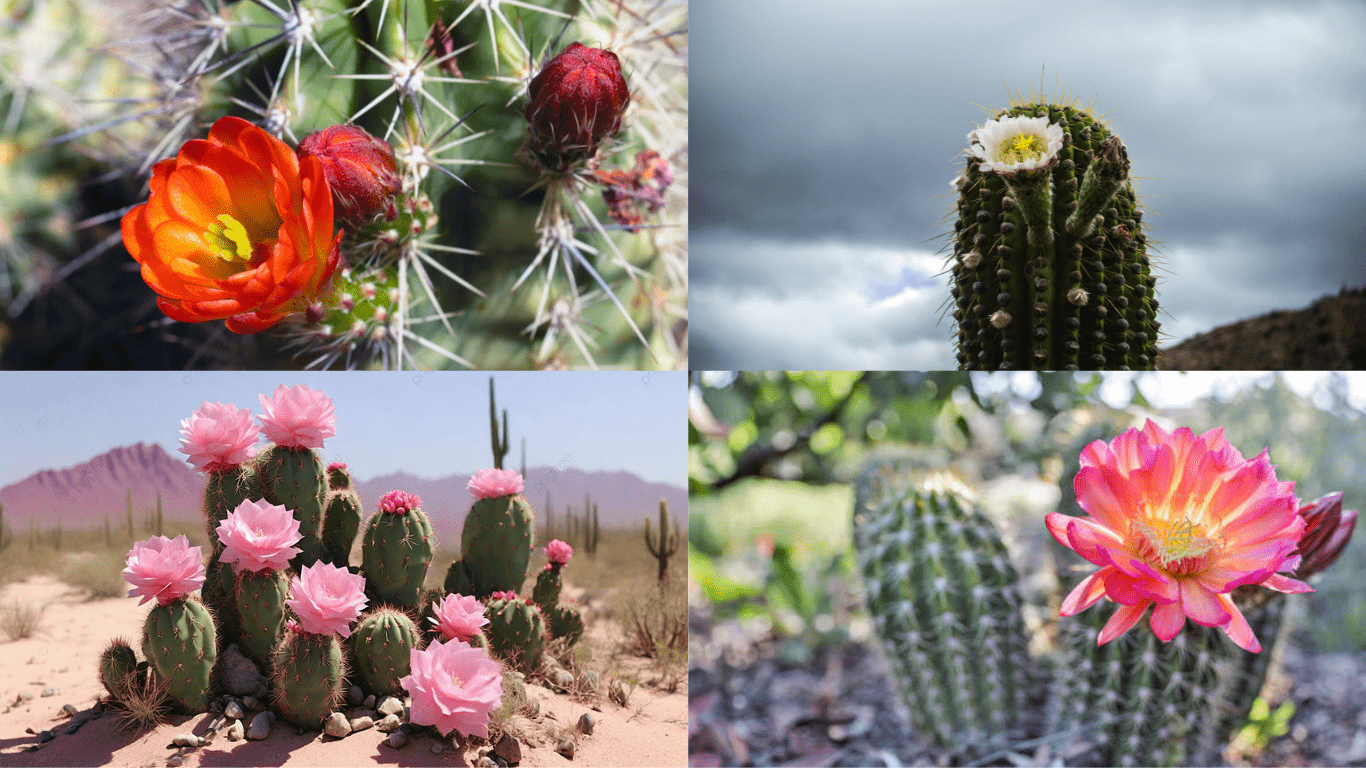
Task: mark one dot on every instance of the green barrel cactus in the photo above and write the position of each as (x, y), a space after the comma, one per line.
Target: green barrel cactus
(516, 632)
(495, 547)
(1051, 264)
(308, 674)
(118, 663)
(294, 478)
(261, 607)
(181, 644)
(397, 549)
(341, 520)
(381, 644)
(944, 599)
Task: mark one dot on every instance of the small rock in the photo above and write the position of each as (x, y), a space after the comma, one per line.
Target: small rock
(390, 706)
(397, 740)
(566, 747)
(252, 704)
(589, 680)
(336, 725)
(46, 736)
(70, 710)
(586, 723)
(561, 679)
(361, 723)
(388, 725)
(369, 702)
(508, 748)
(51, 691)
(240, 675)
(186, 740)
(356, 712)
(410, 728)
(215, 724)
(436, 748)
(75, 726)
(355, 696)
(236, 732)
(260, 726)
(234, 711)
(486, 762)
(23, 696)
(174, 760)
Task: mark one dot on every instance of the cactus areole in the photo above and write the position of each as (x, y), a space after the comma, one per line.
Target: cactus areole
(1050, 262)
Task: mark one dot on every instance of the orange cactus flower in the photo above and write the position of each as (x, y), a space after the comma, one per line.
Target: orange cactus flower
(1177, 522)
(237, 227)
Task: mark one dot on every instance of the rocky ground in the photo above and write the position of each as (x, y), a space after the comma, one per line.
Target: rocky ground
(754, 703)
(1329, 335)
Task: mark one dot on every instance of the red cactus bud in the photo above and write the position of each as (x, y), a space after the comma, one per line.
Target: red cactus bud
(576, 101)
(1327, 529)
(360, 168)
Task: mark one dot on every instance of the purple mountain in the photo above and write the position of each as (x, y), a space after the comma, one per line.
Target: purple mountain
(80, 496)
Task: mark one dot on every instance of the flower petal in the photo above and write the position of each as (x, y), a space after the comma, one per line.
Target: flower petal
(1120, 622)
(1202, 605)
(1084, 595)
(1167, 621)
(1237, 628)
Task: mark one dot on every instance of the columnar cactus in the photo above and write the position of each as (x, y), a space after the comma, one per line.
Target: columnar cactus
(500, 445)
(261, 605)
(397, 549)
(495, 542)
(663, 546)
(563, 621)
(294, 478)
(1051, 268)
(382, 642)
(342, 517)
(516, 631)
(944, 598)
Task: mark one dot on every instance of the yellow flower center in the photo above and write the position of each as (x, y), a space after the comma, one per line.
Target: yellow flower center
(228, 239)
(1179, 547)
(458, 682)
(1026, 146)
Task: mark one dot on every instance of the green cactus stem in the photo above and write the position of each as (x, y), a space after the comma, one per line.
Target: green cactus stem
(396, 551)
(261, 605)
(118, 664)
(495, 547)
(516, 632)
(294, 478)
(382, 642)
(342, 518)
(223, 492)
(663, 546)
(500, 446)
(945, 602)
(1051, 265)
(181, 643)
(308, 674)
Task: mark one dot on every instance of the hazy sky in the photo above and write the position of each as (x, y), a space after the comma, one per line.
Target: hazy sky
(429, 424)
(825, 136)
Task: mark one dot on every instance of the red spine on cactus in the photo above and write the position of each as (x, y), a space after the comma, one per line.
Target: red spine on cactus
(576, 101)
(361, 170)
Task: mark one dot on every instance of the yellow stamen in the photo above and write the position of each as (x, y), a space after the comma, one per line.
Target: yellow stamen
(229, 239)
(1179, 547)
(1026, 146)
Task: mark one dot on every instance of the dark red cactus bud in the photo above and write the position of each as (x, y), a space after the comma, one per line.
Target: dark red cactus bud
(360, 168)
(1327, 529)
(576, 101)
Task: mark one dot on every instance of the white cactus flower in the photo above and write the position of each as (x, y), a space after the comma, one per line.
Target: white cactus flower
(1014, 144)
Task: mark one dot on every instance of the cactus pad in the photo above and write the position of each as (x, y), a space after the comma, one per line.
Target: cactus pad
(382, 642)
(181, 644)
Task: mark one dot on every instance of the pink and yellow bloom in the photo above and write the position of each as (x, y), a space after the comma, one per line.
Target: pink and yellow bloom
(298, 417)
(259, 536)
(219, 437)
(491, 483)
(454, 687)
(558, 552)
(327, 599)
(1177, 522)
(167, 569)
(459, 617)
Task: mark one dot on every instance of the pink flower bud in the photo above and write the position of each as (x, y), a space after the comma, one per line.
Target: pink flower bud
(576, 101)
(558, 552)
(360, 168)
(398, 502)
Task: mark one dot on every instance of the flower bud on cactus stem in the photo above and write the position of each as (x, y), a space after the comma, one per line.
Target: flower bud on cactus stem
(361, 170)
(576, 101)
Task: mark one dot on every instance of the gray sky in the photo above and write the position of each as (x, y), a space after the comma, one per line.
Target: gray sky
(825, 136)
(428, 424)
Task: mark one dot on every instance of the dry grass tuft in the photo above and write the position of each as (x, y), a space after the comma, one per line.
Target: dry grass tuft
(143, 703)
(19, 621)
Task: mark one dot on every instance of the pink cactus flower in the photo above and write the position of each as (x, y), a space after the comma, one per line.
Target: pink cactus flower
(336, 465)
(298, 417)
(219, 437)
(167, 569)
(327, 599)
(558, 552)
(454, 687)
(398, 502)
(459, 617)
(491, 483)
(1177, 522)
(259, 536)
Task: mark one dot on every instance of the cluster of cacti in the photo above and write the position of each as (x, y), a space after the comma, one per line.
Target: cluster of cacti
(495, 547)
(584, 529)
(945, 602)
(1051, 268)
(663, 546)
(581, 283)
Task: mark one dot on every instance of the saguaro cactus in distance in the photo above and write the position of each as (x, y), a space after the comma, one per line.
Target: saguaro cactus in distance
(1051, 268)
(665, 544)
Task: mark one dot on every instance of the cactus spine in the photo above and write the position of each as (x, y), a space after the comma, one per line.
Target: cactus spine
(382, 642)
(181, 644)
(515, 632)
(944, 599)
(308, 673)
(664, 545)
(495, 547)
(294, 479)
(342, 519)
(1050, 267)
(500, 447)
(261, 605)
(395, 554)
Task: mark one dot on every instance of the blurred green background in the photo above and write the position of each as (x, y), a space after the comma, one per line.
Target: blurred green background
(773, 455)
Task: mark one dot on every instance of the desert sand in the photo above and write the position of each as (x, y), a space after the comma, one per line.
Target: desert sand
(650, 731)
